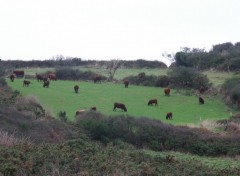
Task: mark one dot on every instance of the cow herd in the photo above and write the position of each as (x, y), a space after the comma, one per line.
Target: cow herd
(97, 79)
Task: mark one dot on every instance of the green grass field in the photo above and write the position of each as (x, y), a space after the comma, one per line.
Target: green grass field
(60, 96)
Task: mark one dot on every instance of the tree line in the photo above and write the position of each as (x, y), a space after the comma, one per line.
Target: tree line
(222, 57)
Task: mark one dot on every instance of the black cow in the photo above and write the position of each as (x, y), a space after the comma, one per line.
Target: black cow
(93, 108)
(97, 79)
(26, 83)
(120, 106)
(169, 116)
(76, 87)
(46, 84)
(126, 83)
(12, 77)
(153, 101)
(201, 100)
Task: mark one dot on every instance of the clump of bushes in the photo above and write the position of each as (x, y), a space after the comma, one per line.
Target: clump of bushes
(177, 77)
(75, 74)
(231, 91)
(155, 135)
(30, 103)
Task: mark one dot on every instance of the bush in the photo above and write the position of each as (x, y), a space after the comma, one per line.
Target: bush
(155, 135)
(231, 91)
(75, 74)
(183, 77)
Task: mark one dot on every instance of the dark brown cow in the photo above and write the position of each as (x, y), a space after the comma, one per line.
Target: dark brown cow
(19, 73)
(167, 91)
(126, 83)
(169, 116)
(52, 76)
(201, 100)
(76, 87)
(94, 108)
(152, 101)
(97, 79)
(26, 83)
(12, 77)
(120, 106)
(41, 77)
(46, 84)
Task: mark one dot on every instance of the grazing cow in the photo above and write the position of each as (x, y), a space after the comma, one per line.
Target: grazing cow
(12, 77)
(76, 87)
(52, 76)
(19, 73)
(41, 77)
(167, 91)
(94, 108)
(120, 106)
(97, 79)
(169, 116)
(26, 83)
(126, 83)
(152, 101)
(201, 100)
(46, 84)
(79, 112)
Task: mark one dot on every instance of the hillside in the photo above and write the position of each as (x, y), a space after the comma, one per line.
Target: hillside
(49, 146)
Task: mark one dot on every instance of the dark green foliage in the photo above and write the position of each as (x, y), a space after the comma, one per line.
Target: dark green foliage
(183, 77)
(231, 91)
(68, 73)
(62, 116)
(155, 135)
(178, 77)
(223, 57)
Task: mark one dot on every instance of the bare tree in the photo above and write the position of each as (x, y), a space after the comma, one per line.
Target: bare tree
(112, 67)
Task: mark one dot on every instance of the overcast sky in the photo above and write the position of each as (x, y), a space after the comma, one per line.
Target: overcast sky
(113, 29)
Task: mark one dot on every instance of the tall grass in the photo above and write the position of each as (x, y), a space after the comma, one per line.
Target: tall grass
(10, 140)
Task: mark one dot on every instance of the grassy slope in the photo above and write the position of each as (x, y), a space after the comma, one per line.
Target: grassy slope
(60, 96)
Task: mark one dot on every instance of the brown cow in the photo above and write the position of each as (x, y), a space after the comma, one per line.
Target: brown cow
(153, 101)
(12, 77)
(94, 108)
(41, 77)
(52, 76)
(19, 73)
(76, 87)
(46, 84)
(97, 79)
(126, 83)
(167, 91)
(26, 83)
(120, 106)
(79, 112)
(169, 116)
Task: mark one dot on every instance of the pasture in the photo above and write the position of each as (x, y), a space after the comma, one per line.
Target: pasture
(60, 96)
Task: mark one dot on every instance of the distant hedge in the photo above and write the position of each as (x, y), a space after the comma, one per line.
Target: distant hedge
(75, 74)
(177, 77)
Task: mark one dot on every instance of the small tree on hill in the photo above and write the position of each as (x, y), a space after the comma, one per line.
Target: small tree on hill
(112, 67)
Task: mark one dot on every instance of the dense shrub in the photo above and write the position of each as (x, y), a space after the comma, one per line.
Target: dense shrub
(75, 74)
(183, 77)
(178, 77)
(144, 132)
(231, 91)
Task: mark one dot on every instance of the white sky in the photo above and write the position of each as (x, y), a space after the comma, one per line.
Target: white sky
(113, 29)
